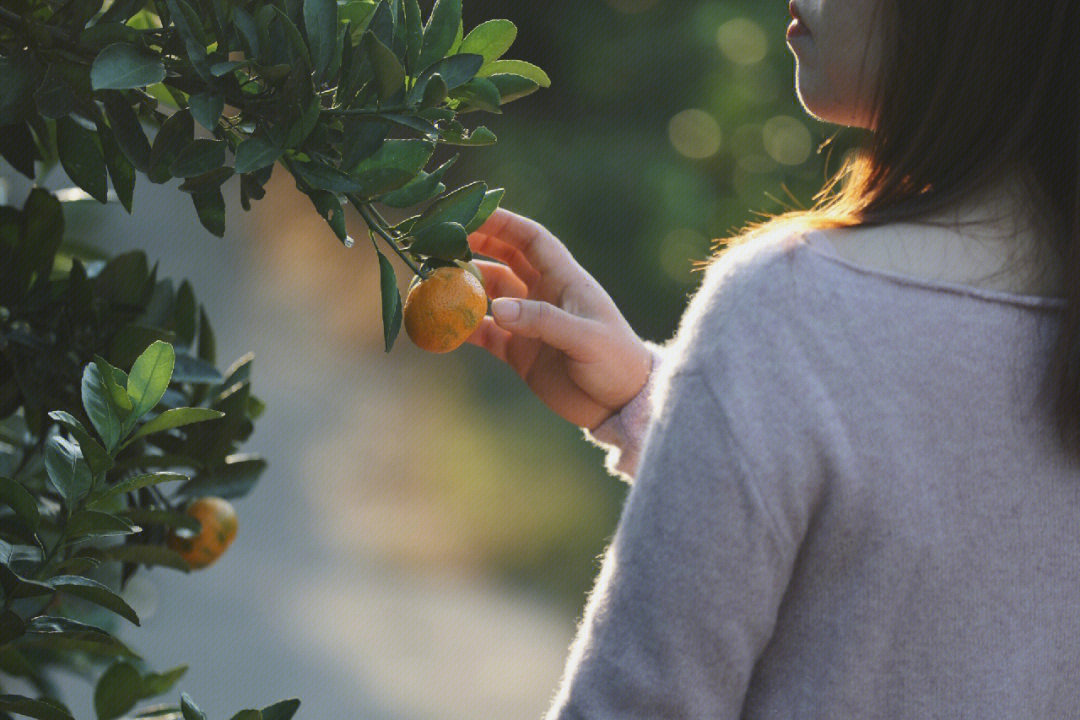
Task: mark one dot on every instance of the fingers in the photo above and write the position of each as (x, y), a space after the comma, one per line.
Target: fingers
(492, 338)
(575, 336)
(500, 280)
(523, 243)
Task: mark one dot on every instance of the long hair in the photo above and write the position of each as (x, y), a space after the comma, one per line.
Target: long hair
(968, 90)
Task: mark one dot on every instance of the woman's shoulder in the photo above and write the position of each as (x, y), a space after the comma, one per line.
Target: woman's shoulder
(753, 280)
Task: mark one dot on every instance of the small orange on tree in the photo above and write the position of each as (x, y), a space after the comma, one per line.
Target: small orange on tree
(444, 309)
(217, 521)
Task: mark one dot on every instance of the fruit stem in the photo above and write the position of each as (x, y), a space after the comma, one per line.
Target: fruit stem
(366, 213)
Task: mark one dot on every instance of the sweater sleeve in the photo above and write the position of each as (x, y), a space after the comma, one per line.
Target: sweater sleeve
(623, 434)
(689, 589)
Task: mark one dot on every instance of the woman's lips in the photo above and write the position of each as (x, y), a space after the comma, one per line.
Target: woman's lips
(798, 25)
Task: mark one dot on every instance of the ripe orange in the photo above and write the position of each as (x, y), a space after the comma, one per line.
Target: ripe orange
(218, 520)
(444, 309)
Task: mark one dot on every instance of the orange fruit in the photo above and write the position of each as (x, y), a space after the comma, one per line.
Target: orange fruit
(444, 309)
(217, 520)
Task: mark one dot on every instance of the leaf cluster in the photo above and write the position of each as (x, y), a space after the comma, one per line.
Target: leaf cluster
(352, 97)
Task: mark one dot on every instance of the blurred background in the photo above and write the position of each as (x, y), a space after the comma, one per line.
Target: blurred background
(425, 538)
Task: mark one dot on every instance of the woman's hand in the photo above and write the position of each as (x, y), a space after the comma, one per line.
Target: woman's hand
(554, 324)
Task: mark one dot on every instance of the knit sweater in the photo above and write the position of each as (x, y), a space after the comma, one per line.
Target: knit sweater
(848, 502)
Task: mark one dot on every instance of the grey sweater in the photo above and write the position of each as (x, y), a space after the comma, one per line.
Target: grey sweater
(847, 502)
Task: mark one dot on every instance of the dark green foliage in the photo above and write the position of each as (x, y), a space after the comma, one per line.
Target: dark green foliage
(316, 84)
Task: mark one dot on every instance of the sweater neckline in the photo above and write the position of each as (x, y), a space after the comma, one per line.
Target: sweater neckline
(819, 244)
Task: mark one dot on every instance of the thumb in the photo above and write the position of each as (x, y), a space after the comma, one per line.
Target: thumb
(544, 321)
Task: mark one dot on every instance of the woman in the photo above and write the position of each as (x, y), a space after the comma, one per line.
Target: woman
(856, 487)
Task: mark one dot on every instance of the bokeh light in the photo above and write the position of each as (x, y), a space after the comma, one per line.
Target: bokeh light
(742, 41)
(695, 134)
(786, 140)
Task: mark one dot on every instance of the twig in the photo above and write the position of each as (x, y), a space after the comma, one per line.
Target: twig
(365, 212)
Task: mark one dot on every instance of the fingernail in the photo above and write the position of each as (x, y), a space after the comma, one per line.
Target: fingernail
(505, 309)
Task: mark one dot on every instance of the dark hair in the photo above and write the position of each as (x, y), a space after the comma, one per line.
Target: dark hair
(968, 90)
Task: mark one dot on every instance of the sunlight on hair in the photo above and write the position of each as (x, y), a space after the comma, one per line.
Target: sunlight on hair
(787, 140)
(742, 41)
(695, 134)
(631, 6)
(678, 251)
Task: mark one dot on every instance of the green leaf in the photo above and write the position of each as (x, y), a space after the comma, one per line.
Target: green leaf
(414, 35)
(189, 709)
(32, 708)
(247, 715)
(254, 154)
(481, 94)
(149, 378)
(94, 592)
(445, 241)
(83, 160)
(20, 74)
(54, 97)
(114, 380)
(392, 166)
(184, 315)
(132, 484)
(207, 181)
(121, 171)
(329, 207)
(20, 500)
(389, 72)
(143, 517)
(121, 66)
(491, 39)
(513, 87)
(434, 92)
(61, 633)
(459, 207)
(18, 148)
(192, 370)
(517, 67)
(94, 523)
(207, 343)
(283, 710)
(491, 201)
(391, 301)
(67, 470)
(157, 683)
(154, 555)
(455, 71)
(319, 175)
(200, 156)
(210, 207)
(186, 20)
(233, 479)
(176, 417)
(297, 47)
(43, 231)
(175, 134)
(480, 136)
(422, 188)
(440, 31)
(94, 454)
(206, 108)
(320, 24)
(100, 406)
(117, 691)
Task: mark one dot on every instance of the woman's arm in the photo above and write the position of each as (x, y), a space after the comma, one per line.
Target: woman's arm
(689, 590)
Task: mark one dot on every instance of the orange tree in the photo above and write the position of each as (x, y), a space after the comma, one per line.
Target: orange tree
(115, 420)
